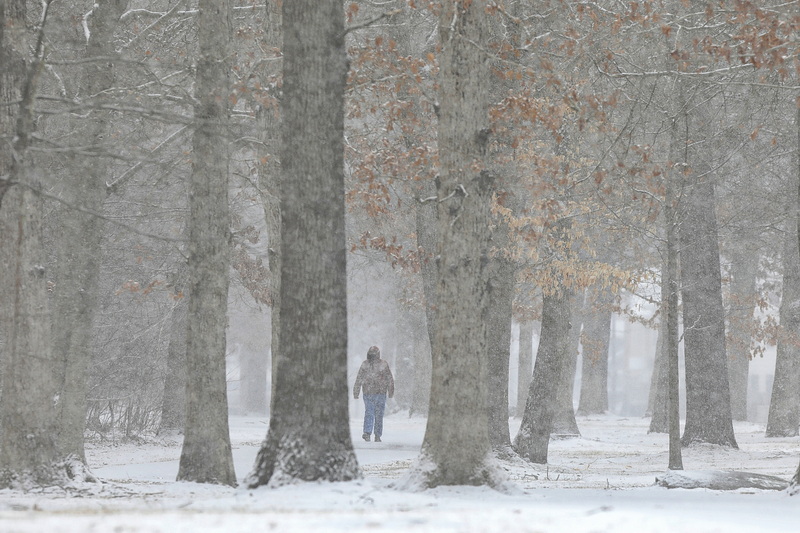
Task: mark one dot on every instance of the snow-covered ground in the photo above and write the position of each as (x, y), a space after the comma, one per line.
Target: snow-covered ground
(602, 482)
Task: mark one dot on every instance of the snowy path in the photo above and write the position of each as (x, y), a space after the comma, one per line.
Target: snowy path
(600, 483)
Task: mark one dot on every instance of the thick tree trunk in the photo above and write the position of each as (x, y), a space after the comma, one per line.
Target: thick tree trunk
(708, 408)
(784, 406)
(456, 443)
(525, 370)
(595, 339)
(30, 402)
(206, 456)
(309, 433)
(532, 441)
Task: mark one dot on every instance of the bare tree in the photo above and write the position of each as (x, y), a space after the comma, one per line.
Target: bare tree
(206, 456)
(79, 234)
(309, 434)
(456, 442)
(29, 406)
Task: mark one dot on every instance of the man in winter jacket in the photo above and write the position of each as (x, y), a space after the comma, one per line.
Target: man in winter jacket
(375, 377)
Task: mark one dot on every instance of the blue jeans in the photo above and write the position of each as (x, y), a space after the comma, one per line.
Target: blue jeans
(374, 404)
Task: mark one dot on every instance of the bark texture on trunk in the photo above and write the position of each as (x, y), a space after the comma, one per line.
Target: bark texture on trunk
(595, 340)
(533, 439)
(206, 456)
(173, 401)
(309, 433)
(79, 236)
(708, 407)
(30, 402)
(740, 318)
(456, 444)
(784, 407)
(502, 272)
(564, 423)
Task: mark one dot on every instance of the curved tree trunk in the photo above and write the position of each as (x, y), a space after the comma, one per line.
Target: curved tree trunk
(309, 433)
(533, 439)
(206, 455)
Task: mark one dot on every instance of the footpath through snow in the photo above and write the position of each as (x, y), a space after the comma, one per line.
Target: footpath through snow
(601, 482)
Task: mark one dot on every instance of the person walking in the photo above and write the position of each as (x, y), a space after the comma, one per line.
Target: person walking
(375, 378)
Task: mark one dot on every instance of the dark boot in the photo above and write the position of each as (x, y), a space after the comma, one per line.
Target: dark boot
(366, 436)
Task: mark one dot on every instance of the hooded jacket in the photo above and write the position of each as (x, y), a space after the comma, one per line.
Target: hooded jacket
(374, 376)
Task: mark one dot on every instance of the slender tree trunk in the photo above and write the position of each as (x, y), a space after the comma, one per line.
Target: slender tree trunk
(659, 393)
(533, 439)
(270, 171)
(206, 456)
(309, 433)
(564, 423)
(595, 339)
(173, 403)
(79, 235)
(422, 366)
(671, 316)
(525, 371)
(456, 442)
(427, 220)
(784, 407)
(740, 318)
(502, 272)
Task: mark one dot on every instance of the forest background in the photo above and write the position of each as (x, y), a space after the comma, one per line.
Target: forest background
(491, 162)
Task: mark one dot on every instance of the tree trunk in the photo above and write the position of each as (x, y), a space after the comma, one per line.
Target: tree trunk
(564, 423)
(269, 172)
(79, 235)
(29, 407)
(533, 439)
(422, 366)
(309, 433)
(659, 386)
(595, 339)
(501, 275)
(206, 456)
(784, 407)
(525, 370)
(426, 218)
(740, 320)
(708, 408)
(456, 443)
(173, 402)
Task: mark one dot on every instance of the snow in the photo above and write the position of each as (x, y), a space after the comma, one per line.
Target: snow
(601, 482)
